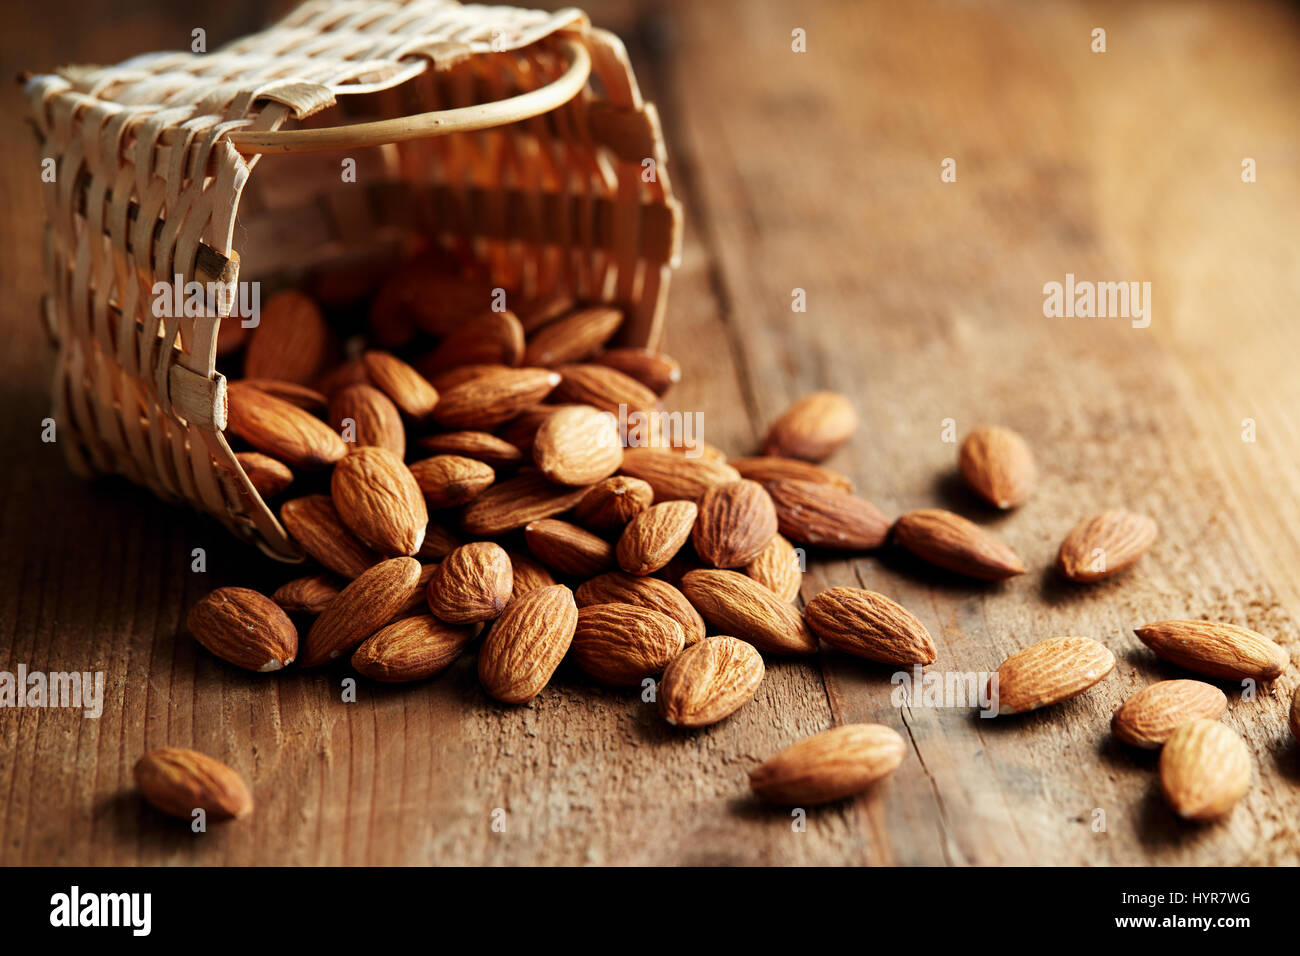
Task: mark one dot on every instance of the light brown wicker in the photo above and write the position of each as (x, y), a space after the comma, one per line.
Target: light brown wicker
(520, 137)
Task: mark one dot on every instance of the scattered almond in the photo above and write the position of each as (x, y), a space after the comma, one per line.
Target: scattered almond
(447, 481)
(267, 476)
(1105, 544)
(245, 628)
(315, 524)
(825, 516)
(870, 625)
(481, 446)
(413, 648)
(998, 466)
(574, 337)
(578, 446)
(1204, 770)
(740, 606)
(619, 587)
(379, 499)
(812, 428)
(736, 522)
(951, 542)
(1216, 649)
(674, 476)
(620, 644)
(831, 765)
(655, 370)
(179, 781)
(308, 595)
(527, 643)
(778, 568)
(472, 584)
(1150, 716)
(365, 416)
(409, 390)
(490, 338)
(770, 468)
(567, 549)
(361, 609)
(709, 681)
(1049, 672)
(493, 397)
(652, 538)
(513, 503)
(282, 430)
(529, 574)
(291, 341)
(605, 388)
(610, 504)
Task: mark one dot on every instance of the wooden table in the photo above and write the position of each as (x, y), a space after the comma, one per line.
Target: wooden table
(818, 171)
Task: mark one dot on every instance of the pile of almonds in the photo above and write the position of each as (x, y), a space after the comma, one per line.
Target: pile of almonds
(484, 486)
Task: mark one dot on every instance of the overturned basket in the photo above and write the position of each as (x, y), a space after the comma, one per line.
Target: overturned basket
(518, 137)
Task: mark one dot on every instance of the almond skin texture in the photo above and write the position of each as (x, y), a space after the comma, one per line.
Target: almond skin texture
(361, 608)
(578, 446)
(527, 643)
(379, 499)
(282, 430)
(1215, 649)
(245, 628)
(375, 420)
(472, 584)
(447, 481)
(834, 764)
(620, 644)
(413, 648)
(870, 625)
(709, 682)
(618, 587)
(674, 476)
(481, 446)
(267, 476)
(1049, 672)
(655, 370)
(315, 524)
(493, 397)
(812, 428)
(409, 390)
(305, 398)
(574, 337)
(567, 549)
(438, 543)
(308, 595)
(742, 607)
(491, 338)
(291, 342)
(770, 468)
(179, 781)
(777, 568)
(529, 574)
(827, 517)
(1105, 544)
(737, 521)
(513, 503)
(1204, 770)
(998, 466)
(955, 544)
(1150, 716)
(610, 504)
(652, 538)
(605, 388)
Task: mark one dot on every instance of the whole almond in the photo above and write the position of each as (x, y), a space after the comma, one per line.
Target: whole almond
(267, 476)
(1204, 770)
(308, 595)
(409, 390)
(445, 381)
(870, 625)
(1216, 649)
(490, 338)
(778, 568)
(379, 499)
(655, 370)
(1049, 672)
(291, 341)
(363, 415)
(610, 504)
(831, 765)
(652, 538)
(178, 781)
(493, 397)
(951, 542)
(521, 431)
(620, 644)
(282, 430)
(812, 428)
(529, 574)
(315, 524)
(619, 587)
(1150, 716)
(998, 466)
(412, 648)
(447, 481)
(1105, 544)
(709, 681)
(574, 337)
(245, 628)
(770, 468)
(308, 399)
(472, 584)
(568, 549)
(736, 522)
(513, 503)
(527, 643)
(578, 446)
(361, 609)
(673, 476)
(740, 606)
(481, 446)
(418, 601)
(823, 515)
(605, 388)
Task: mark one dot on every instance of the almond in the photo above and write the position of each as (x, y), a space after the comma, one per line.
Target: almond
(618, 587)
(527, 643)
(308, 595)
(490, 338)
(447, 481)
(440, 304)
(493, 397)
(610, 504)
(770, 468)
(409, 390)
(998, 466)
(545, 309)
(578, 446)
(574, 337)
(1215, 649)
(438, 543)
(567, 549)
(365, 416)
(1049, 672)
(267, 476)
(291, 341)
(179, 781)
(652, 538)
(1105, 544)
(444, 381)
(1150, 716)
(674, 476)
(361, 609)
(604, 388)
(282, 430)
(834, 764)
(655, 370)
(305, 398)
(419, 598)
(351, 372)
(245, 628)
(709, 682)
(521, 431)
(315, 524)
(740, 606)
(380, 501)
(413, 648)
(870, 625)
(529, 574)
(1204, 770)
(826, 516)
(481, 446)
(620, 644)
(472, 584)
(812, 428)
(778, 568)
(513, 503)
(951, 542)
(736, 522)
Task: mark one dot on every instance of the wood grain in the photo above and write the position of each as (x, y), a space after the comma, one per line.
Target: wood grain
(817, 171)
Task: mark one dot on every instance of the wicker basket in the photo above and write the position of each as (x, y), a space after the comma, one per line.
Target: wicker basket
(518, 136)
